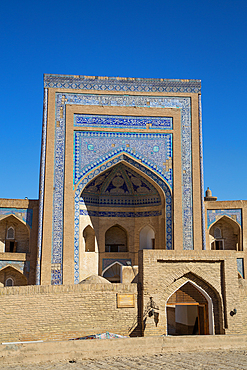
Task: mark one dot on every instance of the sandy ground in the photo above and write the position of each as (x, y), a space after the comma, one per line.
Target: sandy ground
(227, 359)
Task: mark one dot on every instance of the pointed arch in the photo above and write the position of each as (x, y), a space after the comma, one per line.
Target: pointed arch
(9, 282)
(11, 272)
(116, 239)
(218, 313)
(14, 235)
(230, 232)
(15, 218)
(113, 272)
(89, 237)
(192, 299)
(147, 238)
(10, 233)
(150, 173)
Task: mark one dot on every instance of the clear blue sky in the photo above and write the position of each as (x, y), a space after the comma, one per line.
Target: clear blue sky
(204, 40)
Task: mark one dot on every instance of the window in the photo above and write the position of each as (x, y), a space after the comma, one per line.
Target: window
(11, 233)
(116, 239)
(9, 282)
(217, 233)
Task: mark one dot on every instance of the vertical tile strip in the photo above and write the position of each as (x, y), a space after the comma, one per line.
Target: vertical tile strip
(41, 187)
(202, 174)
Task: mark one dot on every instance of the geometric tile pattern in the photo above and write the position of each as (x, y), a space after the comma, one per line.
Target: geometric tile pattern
(101, 169)
(84, 212)
(214, 214)
(183, 103)
(91, 120)
(121, 84)
(25, 215)
(202, 175)
(120, 187)
(41, 187)
(93, 148)
(240, 266)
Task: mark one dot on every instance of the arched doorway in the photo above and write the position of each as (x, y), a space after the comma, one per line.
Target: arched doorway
(189, 311)
(113, 273)
(224, 234)
(147, 238)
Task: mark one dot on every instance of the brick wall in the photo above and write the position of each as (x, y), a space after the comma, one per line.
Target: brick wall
(163, 272)
(62, 312)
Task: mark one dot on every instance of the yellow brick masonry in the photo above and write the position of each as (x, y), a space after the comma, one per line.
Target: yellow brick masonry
(163, 272)
(63, 312)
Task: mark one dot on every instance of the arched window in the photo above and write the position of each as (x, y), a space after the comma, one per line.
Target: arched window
(217, 233)
(89, 236)
(113, 272)
(147, 238)
(11, 233)
(116, 239)
(9, 282)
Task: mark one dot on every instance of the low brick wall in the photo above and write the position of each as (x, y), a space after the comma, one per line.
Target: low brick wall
(63, 312)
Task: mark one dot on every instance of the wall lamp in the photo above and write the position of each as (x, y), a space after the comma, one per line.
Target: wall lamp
(233, 312)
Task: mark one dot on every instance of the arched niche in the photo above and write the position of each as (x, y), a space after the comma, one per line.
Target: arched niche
(224, 234)
(14, 235)
(9, 282)
(10, 233)
(189, 311)
(116, 239)
(121, 192)
(89, 238)
(147, 238)
(113, 272)
(10, 272)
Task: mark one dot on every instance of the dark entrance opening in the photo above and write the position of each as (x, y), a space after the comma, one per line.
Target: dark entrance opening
(187, 312)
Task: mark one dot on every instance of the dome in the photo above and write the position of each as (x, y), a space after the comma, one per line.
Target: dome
(94, 279)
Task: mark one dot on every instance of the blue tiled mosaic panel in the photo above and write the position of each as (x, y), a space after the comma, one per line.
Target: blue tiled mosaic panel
(101, 169)
(182, 103)
(41, 187)
(81, 120)
(214, 214)
(94, 148)
(120, 187)
(202, 175)
(119, 214)
(121, 84)
(109, 261)
(25, 215)
(240, 266)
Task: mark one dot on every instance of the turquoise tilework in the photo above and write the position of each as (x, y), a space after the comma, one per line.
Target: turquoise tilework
(214, 214)
(182, 103)
(121, 84)
(25, 215)
(86, 120)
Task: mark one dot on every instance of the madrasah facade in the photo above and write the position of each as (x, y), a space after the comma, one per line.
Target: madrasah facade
(121, 200)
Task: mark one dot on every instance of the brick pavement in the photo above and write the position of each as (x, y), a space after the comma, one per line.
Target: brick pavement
(223, 359)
